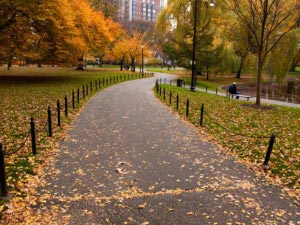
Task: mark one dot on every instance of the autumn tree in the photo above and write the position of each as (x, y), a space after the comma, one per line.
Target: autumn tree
(296, 57)
(121, 52)
(281, 58)
(268, 22)
(175, 30)
(109, 8)
(240, 37)
(134, 46)
(40, 31)
(54, 32)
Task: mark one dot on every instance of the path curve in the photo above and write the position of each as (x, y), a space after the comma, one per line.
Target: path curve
(129, 160)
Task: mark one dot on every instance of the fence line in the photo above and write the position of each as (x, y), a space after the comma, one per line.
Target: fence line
(48, 123)
(271, 142)
(113, 80)
(21, 146)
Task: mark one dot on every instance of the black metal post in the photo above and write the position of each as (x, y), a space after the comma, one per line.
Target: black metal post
(87, 89)
(164, 94)
(187, 107)
(83, 92)
(177, 102)
(159, 90)
(73, 99)
(33, 140)
(91, 86)
(106, 82)
(142, 60)
(58, 113)
(49, 122)
(193, 81)
(96, 85)
(156, 86)
(270, 148)
(66, 106)
(99, 82)
(160, 81)
(170, 97)
(3, 183)
(78, 95)
(201, 115)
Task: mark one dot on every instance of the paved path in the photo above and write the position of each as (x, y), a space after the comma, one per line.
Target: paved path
(129, 160)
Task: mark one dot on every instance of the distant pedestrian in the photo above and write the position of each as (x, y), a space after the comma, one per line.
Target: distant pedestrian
(233, 89)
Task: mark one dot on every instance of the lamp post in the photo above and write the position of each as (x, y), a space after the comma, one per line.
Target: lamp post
(142, 60)
(193, 83)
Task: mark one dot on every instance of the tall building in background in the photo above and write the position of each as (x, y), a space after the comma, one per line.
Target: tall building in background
(142, 10)
(163, 3)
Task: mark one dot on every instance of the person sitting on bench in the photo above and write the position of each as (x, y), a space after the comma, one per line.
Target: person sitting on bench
(233, 90)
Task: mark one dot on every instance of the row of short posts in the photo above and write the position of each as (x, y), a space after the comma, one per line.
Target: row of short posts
(164, 81)
(85, 90)
(159, 91)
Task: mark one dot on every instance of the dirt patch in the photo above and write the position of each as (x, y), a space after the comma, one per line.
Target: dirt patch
(262, 107)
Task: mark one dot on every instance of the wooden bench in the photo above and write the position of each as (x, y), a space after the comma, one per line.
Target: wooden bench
(238, 96)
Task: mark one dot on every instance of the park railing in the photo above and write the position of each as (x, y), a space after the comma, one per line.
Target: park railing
(175, 101)
(63, 108)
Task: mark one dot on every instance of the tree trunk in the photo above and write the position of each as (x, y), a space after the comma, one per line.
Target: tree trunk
(207, 72)
(132, 65)
(80, 65)
(259, 78)
(238, 75)
(121, 65)
(9, 63)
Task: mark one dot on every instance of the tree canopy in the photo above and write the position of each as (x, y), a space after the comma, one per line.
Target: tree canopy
(56, 32)
(228, 33)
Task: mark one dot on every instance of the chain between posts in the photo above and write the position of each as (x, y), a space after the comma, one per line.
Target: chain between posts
(21, 146)
(48, 124)
(271, 142)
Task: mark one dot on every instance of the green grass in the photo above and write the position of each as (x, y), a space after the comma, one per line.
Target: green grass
(27, 92)
(204, 84)
(246, 131)
(296, 73)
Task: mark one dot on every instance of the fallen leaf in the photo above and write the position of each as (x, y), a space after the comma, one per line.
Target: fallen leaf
(143, 205)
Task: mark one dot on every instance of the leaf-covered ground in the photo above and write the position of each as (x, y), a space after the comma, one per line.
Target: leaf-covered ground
(27, 92)
(246, 131)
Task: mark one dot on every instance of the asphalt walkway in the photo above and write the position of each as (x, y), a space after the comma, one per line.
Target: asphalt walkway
(129, 160)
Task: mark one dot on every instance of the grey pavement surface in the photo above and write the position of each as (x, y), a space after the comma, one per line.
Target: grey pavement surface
(129, 160)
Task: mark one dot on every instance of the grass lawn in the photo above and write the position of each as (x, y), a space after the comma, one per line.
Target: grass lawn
(27, 92)
(214, 82)
(246, 131)
(296, 73)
